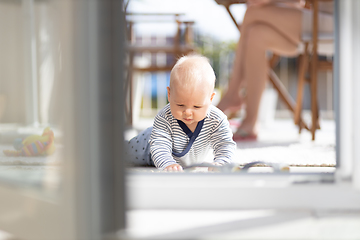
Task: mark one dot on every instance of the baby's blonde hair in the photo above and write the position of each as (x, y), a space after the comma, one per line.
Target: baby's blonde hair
(192, 70)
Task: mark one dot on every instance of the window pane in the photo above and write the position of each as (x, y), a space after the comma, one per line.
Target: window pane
(31, 93)
(279, 139)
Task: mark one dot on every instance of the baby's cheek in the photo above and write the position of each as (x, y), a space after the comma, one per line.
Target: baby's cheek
(201, 114)
(177, 115)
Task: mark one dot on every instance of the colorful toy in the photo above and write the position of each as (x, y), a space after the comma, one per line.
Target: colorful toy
(34, 145)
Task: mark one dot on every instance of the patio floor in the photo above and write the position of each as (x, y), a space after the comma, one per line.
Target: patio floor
(280, 142)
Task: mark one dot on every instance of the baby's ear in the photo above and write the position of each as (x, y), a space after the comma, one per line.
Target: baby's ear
(168, 93)
(212, 96)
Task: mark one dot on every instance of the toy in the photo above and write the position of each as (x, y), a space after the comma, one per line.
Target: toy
(34, 145)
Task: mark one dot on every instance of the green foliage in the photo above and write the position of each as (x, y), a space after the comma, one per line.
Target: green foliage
(214, 50)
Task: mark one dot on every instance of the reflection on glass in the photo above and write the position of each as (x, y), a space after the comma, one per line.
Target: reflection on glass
(30, 63)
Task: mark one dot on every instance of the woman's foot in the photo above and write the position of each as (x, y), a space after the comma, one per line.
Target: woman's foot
(241, 135)
(230, 103)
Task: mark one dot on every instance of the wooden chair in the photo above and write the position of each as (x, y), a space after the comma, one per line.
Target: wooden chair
(182, 45)
(274, 79)
(308, 62)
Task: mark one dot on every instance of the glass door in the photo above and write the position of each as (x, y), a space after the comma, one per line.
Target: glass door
(61, 119)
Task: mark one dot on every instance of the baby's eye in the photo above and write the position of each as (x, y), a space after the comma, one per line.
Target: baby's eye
(197, 106)
(180, 105)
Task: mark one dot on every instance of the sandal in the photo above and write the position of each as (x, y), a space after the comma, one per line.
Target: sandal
(241, 136)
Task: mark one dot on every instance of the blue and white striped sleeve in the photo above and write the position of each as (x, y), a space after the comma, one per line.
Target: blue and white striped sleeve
(161, 143)
(222, 143)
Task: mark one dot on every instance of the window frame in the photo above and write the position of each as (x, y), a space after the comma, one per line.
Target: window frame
(278, 191)
(27, 214)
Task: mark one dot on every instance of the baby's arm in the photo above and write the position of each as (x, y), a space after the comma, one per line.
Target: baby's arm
(222, 143)
(161, 146)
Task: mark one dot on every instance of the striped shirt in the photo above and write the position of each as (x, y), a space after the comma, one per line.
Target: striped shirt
(214, 141)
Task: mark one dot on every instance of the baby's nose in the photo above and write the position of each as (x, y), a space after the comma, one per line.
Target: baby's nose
(187, 112)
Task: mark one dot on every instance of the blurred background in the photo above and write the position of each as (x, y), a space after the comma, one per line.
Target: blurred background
(206, 28)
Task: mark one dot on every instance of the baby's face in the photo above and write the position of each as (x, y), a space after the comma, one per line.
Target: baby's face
(190, 105)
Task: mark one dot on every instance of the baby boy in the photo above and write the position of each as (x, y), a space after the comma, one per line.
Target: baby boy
(189, 129)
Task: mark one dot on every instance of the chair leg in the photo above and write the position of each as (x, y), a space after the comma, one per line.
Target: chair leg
(317, 116)
(314, 70)
(283, 94)
(314, 110)
(303, 63)
(314, 103)
(300, 92)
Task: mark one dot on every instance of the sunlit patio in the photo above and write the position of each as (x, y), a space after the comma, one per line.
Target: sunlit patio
(279, 141)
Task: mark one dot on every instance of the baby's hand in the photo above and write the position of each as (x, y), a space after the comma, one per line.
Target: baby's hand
(211, 169)
(174, 168)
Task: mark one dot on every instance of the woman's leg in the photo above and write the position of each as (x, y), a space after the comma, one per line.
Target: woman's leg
(286, 21)
(260, 38)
